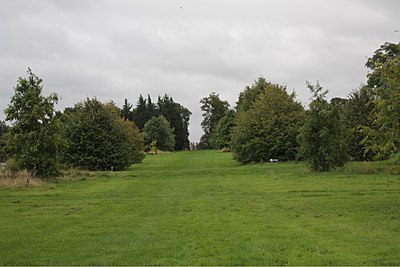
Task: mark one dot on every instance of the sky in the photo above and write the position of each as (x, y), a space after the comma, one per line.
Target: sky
(117, 49)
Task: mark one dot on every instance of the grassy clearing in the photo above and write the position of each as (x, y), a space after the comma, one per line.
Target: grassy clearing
(202, 208)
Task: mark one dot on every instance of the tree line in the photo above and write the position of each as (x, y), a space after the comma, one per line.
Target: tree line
(90, 135)
(269, 123)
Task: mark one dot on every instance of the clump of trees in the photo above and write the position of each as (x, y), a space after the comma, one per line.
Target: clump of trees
(269, 123)
(91, 135)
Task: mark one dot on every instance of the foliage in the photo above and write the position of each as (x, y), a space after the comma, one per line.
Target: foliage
(269, 127)
(378, 62)
(34, 142)
(4, 137)
(358, 110)
(213, 109)
(222, 136)
(384, 136)
(251, 94)
(178, 116)
(99, 139)
(323, 136)
(126, 111)
(158, 129)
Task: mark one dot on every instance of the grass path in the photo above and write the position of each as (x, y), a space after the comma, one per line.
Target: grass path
(202, 208)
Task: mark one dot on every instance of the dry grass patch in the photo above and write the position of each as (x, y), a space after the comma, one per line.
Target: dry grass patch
(19, 179)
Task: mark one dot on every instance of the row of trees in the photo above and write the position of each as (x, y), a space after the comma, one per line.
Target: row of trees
(91, 135)
(268, 122)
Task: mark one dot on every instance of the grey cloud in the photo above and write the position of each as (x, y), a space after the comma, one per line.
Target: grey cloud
(120, 49)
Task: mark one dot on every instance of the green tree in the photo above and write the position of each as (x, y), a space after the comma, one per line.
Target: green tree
(384, 136)
(35, 140)
(126, 111)
(213, 109)
(4, 137)
(178, 117)
(98, 138)
(378, 62)
(251, 93)
(222, 135)
(358, 116)
(269, 127)
(158, 129)
(323, 136)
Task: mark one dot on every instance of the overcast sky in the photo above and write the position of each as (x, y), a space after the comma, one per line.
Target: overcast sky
(118, 49)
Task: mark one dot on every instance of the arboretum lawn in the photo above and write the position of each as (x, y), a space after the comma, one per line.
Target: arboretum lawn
(203, 208)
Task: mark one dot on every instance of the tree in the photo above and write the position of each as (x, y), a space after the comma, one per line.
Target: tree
(358, 117)
(383, 137)
(178, 116)
(213, 110)
(323, 135)
(222, 135)
(35, 140)
(98, 138)
(268, 128)
(4, 137)
(378, 62)
(251, 94)
(158, 129)
(126, 111)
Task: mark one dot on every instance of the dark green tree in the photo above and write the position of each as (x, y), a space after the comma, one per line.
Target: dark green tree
(158, 129)
(358, 117)
(35, 141)
(213, 109)
(268, 128)
(4, 137)
(323, 137)
(98, 138)
(222, 135)
(126, 111)
(178, 117)
(251, 93)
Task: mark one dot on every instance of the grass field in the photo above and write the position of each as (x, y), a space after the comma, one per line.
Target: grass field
(202, 208)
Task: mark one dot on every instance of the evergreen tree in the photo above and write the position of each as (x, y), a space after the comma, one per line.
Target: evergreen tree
(222, 136)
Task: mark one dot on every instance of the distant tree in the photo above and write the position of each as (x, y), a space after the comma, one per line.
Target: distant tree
(358, 116)
(178, 117)
(323, 136)
(99, 139)
(222, 135)
(35, 141)
(213, 110)
(158, 129)
(126, 111)
(268, 128)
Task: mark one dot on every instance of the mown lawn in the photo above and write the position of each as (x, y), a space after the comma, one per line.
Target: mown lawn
(202, 208)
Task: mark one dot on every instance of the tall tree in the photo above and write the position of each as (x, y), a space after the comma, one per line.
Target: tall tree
(379, 61)
(35, 140)
(323, 136)
(222, 135)
(268, 128)
(358, 117)
(213, 110)
(178, 117)
(126, 111)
